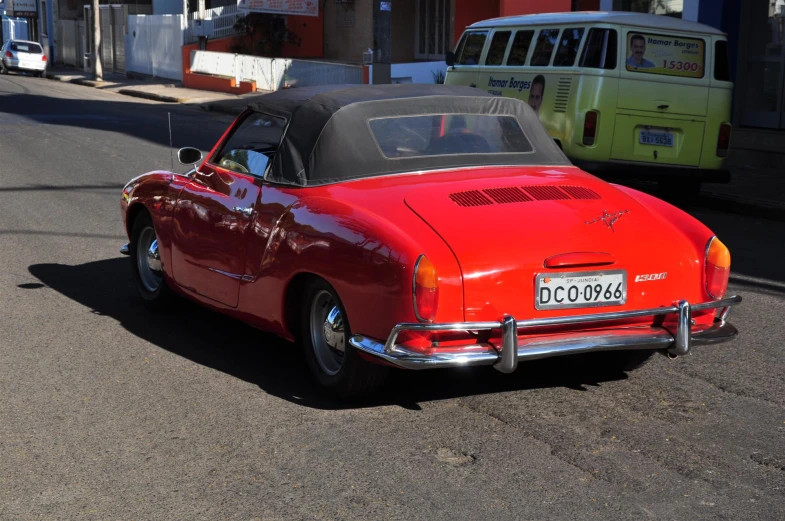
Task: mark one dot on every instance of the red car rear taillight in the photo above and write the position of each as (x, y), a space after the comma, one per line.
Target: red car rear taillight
(425, 285)
(590, 127)
(717, 268)
(8, 54)
(723, 140)
(43, 57)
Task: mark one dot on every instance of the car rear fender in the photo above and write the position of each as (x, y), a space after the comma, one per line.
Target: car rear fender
(367, 259)
(695, 232)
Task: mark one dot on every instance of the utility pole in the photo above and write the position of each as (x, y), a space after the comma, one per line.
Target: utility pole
(98, 69)
(382, 49)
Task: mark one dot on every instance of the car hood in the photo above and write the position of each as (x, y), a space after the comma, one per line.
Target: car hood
(503, 230)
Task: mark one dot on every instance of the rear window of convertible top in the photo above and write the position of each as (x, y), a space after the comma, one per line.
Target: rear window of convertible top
(448, 134)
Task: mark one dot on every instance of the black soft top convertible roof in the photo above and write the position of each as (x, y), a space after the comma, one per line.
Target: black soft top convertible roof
(328, 138)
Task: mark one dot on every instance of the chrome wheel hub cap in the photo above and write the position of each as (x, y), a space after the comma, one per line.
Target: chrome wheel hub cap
(148, 260)
(327, 333)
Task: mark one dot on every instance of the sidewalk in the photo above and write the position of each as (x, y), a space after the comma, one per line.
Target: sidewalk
(157, 89)
(756, 192)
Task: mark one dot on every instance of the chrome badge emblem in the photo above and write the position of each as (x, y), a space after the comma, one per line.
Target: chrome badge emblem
(608, 219)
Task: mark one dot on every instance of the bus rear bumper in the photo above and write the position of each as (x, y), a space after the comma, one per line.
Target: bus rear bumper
(640, 170)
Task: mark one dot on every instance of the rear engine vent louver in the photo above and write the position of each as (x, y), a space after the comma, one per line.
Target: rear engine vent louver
(579, 192)
(507, 195)
(470, 198)
(521, 194)
(546, 193)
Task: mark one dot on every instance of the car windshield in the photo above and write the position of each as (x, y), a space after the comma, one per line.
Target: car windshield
(32, 48)
(448, 134)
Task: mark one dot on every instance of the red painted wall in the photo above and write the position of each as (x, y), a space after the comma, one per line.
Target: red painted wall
(516, 7)
(588, 5)
(470, 11)
(310, 29)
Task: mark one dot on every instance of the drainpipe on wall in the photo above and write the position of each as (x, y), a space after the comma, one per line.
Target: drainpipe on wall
(382, 36)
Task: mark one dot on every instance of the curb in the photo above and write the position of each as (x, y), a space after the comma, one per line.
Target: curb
(223, 109)
(134, 93)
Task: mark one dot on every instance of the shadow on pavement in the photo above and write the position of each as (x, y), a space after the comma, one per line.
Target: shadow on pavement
(229, 346)
(141, 120)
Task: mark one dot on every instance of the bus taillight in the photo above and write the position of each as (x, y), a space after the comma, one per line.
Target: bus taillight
(590, 128)
(723, 141)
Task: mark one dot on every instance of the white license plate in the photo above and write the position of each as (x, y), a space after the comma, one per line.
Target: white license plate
(582, 289)
(663, 139)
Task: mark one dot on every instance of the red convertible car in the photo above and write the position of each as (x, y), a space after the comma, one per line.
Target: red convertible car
(418, 227)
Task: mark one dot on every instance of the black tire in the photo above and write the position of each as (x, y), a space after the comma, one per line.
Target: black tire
(3, 70)
(155, 298)
(346, 376)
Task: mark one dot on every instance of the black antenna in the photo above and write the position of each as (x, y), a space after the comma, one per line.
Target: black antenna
(171, 147)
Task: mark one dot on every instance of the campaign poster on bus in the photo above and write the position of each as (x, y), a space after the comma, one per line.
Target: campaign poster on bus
(670, 55)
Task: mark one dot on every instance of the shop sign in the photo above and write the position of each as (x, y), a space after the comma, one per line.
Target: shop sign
(670, 55)
(22, 8)
(283, 7)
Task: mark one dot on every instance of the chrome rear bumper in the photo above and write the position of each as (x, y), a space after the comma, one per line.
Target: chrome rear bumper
(677, 340)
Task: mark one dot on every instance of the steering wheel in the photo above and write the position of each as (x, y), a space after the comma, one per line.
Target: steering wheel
(233, 166)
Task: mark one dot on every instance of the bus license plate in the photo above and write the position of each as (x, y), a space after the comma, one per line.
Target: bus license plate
(580, 289)
(663, 139)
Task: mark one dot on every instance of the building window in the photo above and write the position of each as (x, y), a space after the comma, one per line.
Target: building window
(432, 34)
(672, 8)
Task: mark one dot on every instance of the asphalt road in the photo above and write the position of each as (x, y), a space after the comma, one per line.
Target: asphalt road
(109, 412)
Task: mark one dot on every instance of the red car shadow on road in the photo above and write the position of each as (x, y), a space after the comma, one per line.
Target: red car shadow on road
(219, 342)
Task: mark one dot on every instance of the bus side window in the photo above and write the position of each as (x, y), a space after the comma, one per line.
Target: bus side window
(600, 49)
(498, 47)
(520, 47)
(568, 47)
(472, 49)
(546, 41)
(721, 66)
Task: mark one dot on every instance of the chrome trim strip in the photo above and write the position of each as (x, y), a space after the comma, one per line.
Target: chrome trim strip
(242, 278)
(125, 249)
(515, 348)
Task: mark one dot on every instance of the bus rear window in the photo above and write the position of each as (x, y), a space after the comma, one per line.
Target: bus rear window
(668, 55)
(568, 47)
(721, 66)
(546, 41)
(600, 49)
(520, 48)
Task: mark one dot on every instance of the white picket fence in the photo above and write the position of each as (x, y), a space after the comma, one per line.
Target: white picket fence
(274, 73)
(218, 23)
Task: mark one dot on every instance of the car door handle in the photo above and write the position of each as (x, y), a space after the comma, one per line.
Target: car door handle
(247, 211)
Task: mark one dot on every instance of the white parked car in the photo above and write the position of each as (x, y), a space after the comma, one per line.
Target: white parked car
(21, 55)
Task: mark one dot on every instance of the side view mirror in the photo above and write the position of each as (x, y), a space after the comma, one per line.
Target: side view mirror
(189, 155)
(449, 58)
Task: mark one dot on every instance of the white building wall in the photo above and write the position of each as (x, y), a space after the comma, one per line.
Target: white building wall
(153, 45)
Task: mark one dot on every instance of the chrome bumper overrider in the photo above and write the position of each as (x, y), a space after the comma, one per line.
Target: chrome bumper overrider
(676, 340)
